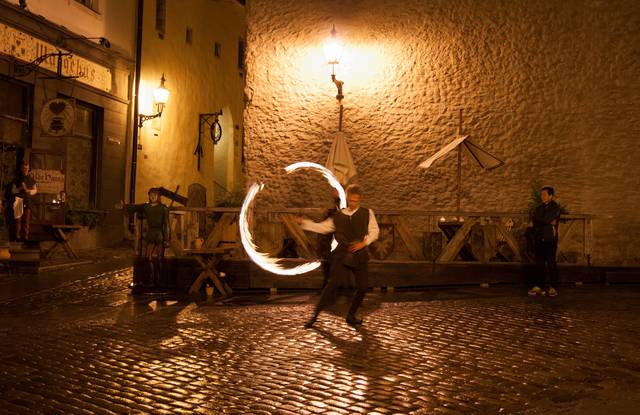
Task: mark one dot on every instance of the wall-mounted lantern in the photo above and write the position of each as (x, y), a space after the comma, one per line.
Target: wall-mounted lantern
(333, 53)
(160, 97)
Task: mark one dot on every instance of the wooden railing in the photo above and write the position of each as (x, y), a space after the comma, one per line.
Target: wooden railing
(406, 235)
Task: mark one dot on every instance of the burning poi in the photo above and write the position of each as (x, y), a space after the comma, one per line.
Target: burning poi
(263, 260)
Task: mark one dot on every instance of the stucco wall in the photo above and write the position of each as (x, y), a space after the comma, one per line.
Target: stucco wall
(198, 83)
(552, 88)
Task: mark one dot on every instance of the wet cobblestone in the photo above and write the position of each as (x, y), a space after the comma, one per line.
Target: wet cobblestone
(89, 347)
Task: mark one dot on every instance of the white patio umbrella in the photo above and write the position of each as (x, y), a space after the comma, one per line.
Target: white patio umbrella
(464, 144)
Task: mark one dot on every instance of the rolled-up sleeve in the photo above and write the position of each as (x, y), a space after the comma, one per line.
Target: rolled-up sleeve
(373, 231)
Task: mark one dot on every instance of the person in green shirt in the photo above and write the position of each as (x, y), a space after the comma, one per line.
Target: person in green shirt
(157, 216)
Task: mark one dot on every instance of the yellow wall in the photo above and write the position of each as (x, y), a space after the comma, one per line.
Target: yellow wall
(199, 82)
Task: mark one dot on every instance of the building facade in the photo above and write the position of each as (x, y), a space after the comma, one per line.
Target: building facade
(68, 112)
(92, 129)
(199, 50)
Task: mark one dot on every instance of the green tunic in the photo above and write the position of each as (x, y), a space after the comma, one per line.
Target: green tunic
(157, 217)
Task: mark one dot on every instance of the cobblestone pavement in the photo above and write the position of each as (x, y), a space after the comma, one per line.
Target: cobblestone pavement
(89, 347)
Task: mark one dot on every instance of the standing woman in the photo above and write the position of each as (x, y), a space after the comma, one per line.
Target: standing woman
(24, 188)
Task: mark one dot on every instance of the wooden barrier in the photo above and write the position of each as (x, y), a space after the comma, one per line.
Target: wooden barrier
(483, 236)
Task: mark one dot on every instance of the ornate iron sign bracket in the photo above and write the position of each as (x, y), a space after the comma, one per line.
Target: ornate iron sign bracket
(24, 69)
(209, 120)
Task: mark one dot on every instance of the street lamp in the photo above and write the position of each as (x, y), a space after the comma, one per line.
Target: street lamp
(160, 97)
(333, 52)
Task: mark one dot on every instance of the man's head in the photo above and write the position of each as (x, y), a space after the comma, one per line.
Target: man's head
(154, 195)
(546, 194)
(354, 194)
(25, 168)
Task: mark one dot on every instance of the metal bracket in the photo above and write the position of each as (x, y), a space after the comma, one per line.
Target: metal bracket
(215, 129)
(24, 69)
(142, 118)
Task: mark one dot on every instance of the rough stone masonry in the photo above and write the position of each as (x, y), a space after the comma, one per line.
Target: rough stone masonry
(551, 88)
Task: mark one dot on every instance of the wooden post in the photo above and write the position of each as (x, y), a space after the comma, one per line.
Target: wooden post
(459, 173)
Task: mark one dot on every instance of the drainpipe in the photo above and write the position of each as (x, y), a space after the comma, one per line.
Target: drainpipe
(136, 90)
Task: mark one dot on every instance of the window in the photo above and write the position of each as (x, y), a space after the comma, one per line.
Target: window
(90, 4)
(15, 109)
(82, 156)
(189, 36)
(161, 18)
(217, 49)
(16, 100)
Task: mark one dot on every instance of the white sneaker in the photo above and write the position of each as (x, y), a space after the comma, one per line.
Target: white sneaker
(536, 291)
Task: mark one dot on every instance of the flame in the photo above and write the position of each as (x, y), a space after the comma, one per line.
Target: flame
(326, 173)
(330, 178)
(263, 260)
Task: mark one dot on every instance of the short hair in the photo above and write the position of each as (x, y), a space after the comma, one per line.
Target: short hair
(354, 189)
(548, 189)
(154, 190)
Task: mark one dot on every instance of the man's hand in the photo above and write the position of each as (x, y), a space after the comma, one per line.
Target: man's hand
(356, 246)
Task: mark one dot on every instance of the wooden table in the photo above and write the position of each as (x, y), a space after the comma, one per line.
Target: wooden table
(60, 235)
(208, 259)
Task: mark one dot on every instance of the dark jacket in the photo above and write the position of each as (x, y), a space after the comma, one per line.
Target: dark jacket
(545, 218)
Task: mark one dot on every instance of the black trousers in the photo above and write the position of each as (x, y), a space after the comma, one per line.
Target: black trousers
(326, 270)
(339, 273)
(546, 263)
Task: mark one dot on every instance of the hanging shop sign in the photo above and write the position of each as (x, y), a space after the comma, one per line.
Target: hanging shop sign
(48, 181)
(28, 48)
(57, 117)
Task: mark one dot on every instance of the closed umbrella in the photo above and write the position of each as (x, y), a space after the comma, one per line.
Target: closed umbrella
(340, 161)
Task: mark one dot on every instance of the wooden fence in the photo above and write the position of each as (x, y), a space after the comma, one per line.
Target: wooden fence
(405, 235)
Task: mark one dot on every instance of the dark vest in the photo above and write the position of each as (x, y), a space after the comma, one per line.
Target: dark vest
(351, 229)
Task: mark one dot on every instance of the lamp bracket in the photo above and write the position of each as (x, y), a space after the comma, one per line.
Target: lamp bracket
(143, 118)
(338, 84)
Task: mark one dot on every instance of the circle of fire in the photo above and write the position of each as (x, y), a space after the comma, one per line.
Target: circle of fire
(263, 260)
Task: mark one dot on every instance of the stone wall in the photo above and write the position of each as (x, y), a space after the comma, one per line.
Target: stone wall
(552, 88)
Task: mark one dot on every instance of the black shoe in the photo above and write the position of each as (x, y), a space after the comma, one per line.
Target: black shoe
(310, 322)
(354, 321)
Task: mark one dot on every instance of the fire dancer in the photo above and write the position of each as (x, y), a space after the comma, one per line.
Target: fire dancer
(354, 229)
